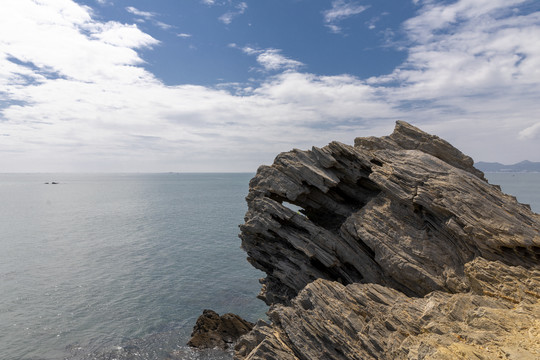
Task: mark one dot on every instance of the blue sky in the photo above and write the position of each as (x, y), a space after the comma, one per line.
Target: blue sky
(209, 48)
(225, 85)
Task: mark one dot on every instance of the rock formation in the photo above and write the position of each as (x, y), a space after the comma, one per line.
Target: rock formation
(398, 248)
(214, 331)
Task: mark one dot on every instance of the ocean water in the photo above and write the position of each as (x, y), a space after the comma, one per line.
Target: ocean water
(120, 266)
(524, 186)
(111, 266)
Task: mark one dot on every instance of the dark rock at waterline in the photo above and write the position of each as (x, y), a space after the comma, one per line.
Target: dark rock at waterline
(214, 331)
(401, 250)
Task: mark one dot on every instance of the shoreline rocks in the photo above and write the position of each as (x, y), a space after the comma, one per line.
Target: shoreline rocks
(214, 331)
(401, 249)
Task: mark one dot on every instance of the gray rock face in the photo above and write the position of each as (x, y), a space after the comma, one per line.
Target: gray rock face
(393, 223)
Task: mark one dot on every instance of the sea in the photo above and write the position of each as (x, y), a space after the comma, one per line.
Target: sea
(119, 266)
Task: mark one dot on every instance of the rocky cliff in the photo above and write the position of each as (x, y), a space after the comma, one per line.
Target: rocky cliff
(394, 248)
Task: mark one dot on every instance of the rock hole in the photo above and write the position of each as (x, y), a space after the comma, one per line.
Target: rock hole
(339, 202)
(321, 217)
(340, 195)
(306, 304)
(376, 162)
(522, 251)
(506, 249)
(352, 272)
(366, 183)
(297, 209)
(389, 326)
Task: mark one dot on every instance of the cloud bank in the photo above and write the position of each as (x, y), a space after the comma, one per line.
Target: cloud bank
(75, 97)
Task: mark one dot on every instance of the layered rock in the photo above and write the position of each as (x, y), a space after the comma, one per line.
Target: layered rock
(402, 233)
(327, 320)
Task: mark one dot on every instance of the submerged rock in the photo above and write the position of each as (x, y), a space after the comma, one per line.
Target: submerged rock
(400, 249)
(214, 331)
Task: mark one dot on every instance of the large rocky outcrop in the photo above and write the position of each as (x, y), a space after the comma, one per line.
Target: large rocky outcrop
(399, 249)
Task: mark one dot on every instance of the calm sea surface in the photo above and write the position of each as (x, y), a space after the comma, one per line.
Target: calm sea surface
(121, 266)
(98, 262)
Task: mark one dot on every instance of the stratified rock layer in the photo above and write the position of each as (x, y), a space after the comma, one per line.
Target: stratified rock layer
(327, 320)
(417, 256)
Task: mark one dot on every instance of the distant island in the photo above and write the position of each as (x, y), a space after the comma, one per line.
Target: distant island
(524, 166)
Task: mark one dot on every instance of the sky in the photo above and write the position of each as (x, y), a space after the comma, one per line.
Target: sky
(226, 85)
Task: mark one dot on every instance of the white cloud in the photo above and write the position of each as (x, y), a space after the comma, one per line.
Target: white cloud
(228, 17)
(184, 35)
(341, 10)
(61, 38)
(148, 16)
(127, 36)
(477, 61)
(242, 7)
(163, 25)
(75, 97)
(137, 12)
(372, 23)
(531, 132)
(435, 16)
(271, 59)
(478, 51)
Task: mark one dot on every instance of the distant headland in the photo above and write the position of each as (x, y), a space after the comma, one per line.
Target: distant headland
(524, 166)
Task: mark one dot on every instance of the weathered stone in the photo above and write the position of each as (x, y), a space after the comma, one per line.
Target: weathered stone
(214, 331)
(408, 137)
(381, 213)
(328, 320)
(400, 250)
